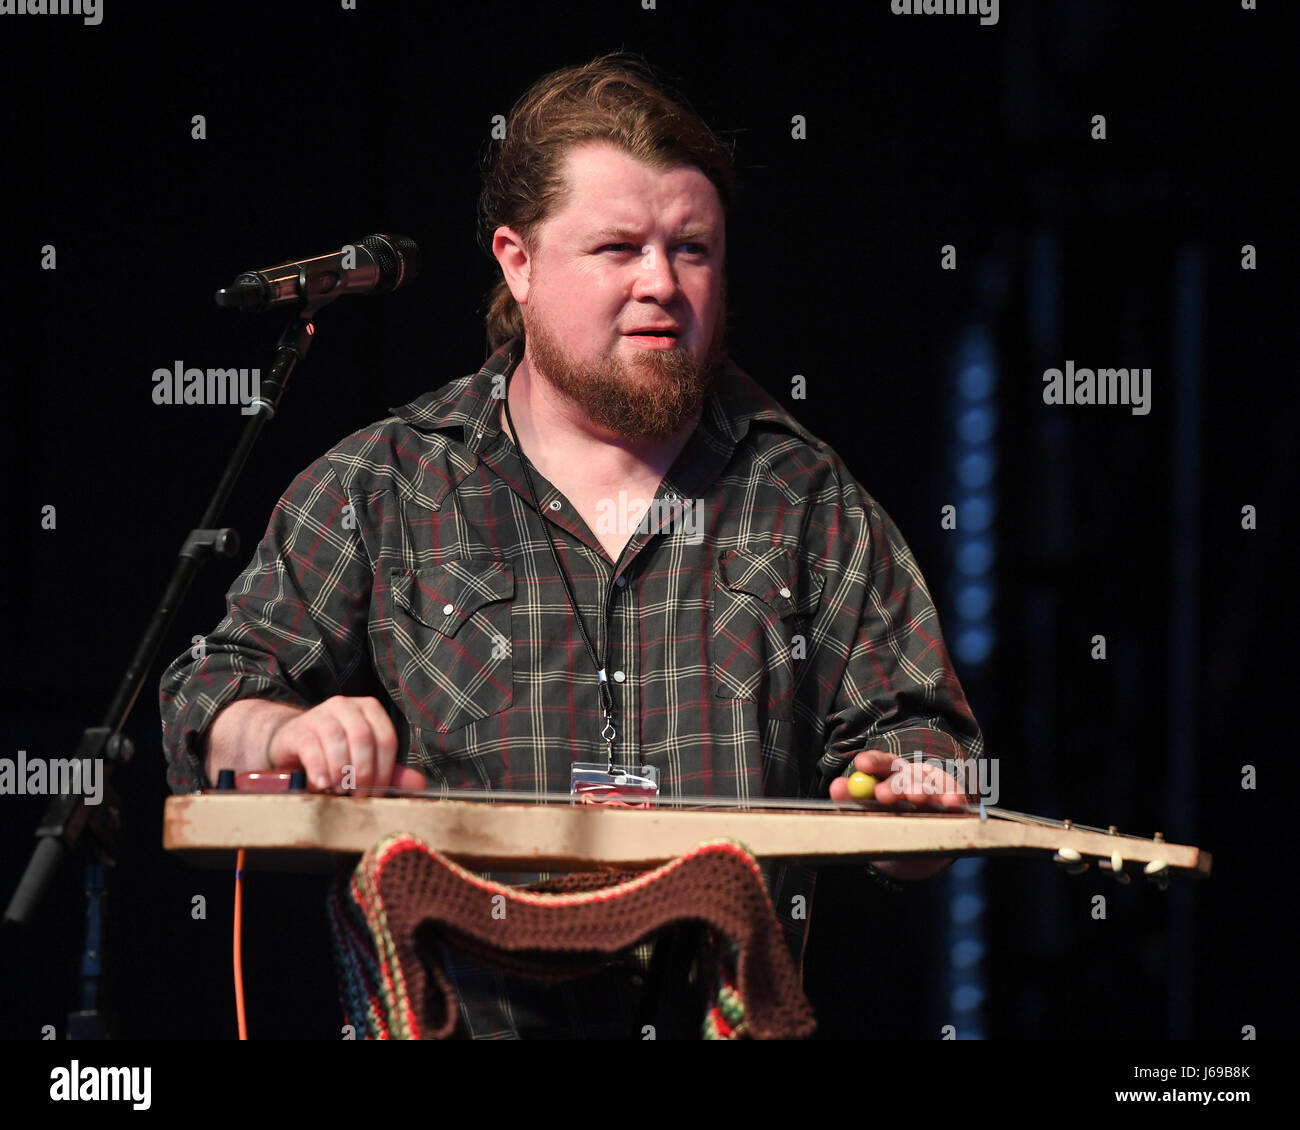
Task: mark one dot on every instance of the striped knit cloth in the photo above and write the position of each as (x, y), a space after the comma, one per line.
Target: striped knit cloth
(392, 986)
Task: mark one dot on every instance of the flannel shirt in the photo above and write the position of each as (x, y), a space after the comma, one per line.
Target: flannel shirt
(752, 651)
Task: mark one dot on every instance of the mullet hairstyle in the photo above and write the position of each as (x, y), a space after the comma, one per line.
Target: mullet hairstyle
(619, 99)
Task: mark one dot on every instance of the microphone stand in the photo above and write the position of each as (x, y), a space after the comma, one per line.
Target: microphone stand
(69, 823)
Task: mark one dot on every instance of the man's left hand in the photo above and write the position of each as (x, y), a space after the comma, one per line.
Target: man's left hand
(900, 782)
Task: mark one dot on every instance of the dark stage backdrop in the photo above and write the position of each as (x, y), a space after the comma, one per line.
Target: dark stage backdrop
(867, 143)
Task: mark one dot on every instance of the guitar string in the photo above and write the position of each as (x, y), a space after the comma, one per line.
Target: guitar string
(515, 796)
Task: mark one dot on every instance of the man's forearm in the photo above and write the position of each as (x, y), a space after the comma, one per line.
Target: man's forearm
(240, 736)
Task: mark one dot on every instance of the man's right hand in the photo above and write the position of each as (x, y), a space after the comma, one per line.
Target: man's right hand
(338, 733)
(262, 734)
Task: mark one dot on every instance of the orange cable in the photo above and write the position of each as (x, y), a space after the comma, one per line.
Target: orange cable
(239, 954)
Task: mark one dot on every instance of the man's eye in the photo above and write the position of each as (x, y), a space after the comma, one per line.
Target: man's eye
(689, 248)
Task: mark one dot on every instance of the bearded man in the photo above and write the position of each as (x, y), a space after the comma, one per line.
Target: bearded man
(609, 527)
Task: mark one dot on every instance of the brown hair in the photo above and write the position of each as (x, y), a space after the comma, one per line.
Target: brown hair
(617, 98)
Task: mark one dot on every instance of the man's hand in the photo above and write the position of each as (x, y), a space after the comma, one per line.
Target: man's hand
(898, 781)
(338, 733)
(262, 734)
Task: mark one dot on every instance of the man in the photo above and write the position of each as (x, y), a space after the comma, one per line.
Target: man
(428, 607)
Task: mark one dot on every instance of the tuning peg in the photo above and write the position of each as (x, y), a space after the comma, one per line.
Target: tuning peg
(1157, 873)
(1115, 865)
(1071, 861)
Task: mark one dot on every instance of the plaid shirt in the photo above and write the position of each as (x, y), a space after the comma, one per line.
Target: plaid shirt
(765, 624)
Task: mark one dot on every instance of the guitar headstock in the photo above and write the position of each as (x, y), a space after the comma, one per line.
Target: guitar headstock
(1124, 856)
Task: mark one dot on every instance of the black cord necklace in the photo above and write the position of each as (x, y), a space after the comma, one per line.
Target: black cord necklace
(606, 698)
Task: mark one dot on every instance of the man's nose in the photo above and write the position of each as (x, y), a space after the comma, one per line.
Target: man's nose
(655, 277)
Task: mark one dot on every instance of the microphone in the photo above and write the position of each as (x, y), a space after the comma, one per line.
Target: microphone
(374, 265)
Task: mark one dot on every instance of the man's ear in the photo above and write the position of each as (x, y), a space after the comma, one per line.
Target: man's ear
(516, 263)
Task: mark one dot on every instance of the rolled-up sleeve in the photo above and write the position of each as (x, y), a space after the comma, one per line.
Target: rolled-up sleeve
(885, 670)
(295, 624)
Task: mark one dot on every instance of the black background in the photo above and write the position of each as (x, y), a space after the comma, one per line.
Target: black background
(324, 125)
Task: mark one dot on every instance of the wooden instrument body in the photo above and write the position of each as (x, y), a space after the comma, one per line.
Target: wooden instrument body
(306, 830)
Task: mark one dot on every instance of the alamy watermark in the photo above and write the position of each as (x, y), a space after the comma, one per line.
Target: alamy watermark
(987, 10)
(75, 1083)
(179, 385)
(91, 11)
(1098, 386)
(976, 777)
(661, 515)
(60, 776)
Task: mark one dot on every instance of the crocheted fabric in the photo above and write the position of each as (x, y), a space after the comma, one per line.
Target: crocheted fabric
(403, 898)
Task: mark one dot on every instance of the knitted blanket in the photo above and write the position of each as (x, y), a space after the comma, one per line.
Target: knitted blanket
(393, 986)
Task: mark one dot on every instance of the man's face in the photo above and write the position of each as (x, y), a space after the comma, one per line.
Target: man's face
(632, 249)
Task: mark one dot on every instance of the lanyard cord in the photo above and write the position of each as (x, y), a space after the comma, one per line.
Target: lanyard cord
(606, 698)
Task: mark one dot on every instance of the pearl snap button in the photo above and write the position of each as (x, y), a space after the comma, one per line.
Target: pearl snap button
(619, 676)
(785, 593)
(448, 609)
(621, 582)
(555, 504)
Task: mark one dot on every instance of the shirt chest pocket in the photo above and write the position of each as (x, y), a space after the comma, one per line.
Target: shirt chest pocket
(444, 649)
(761, 602)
